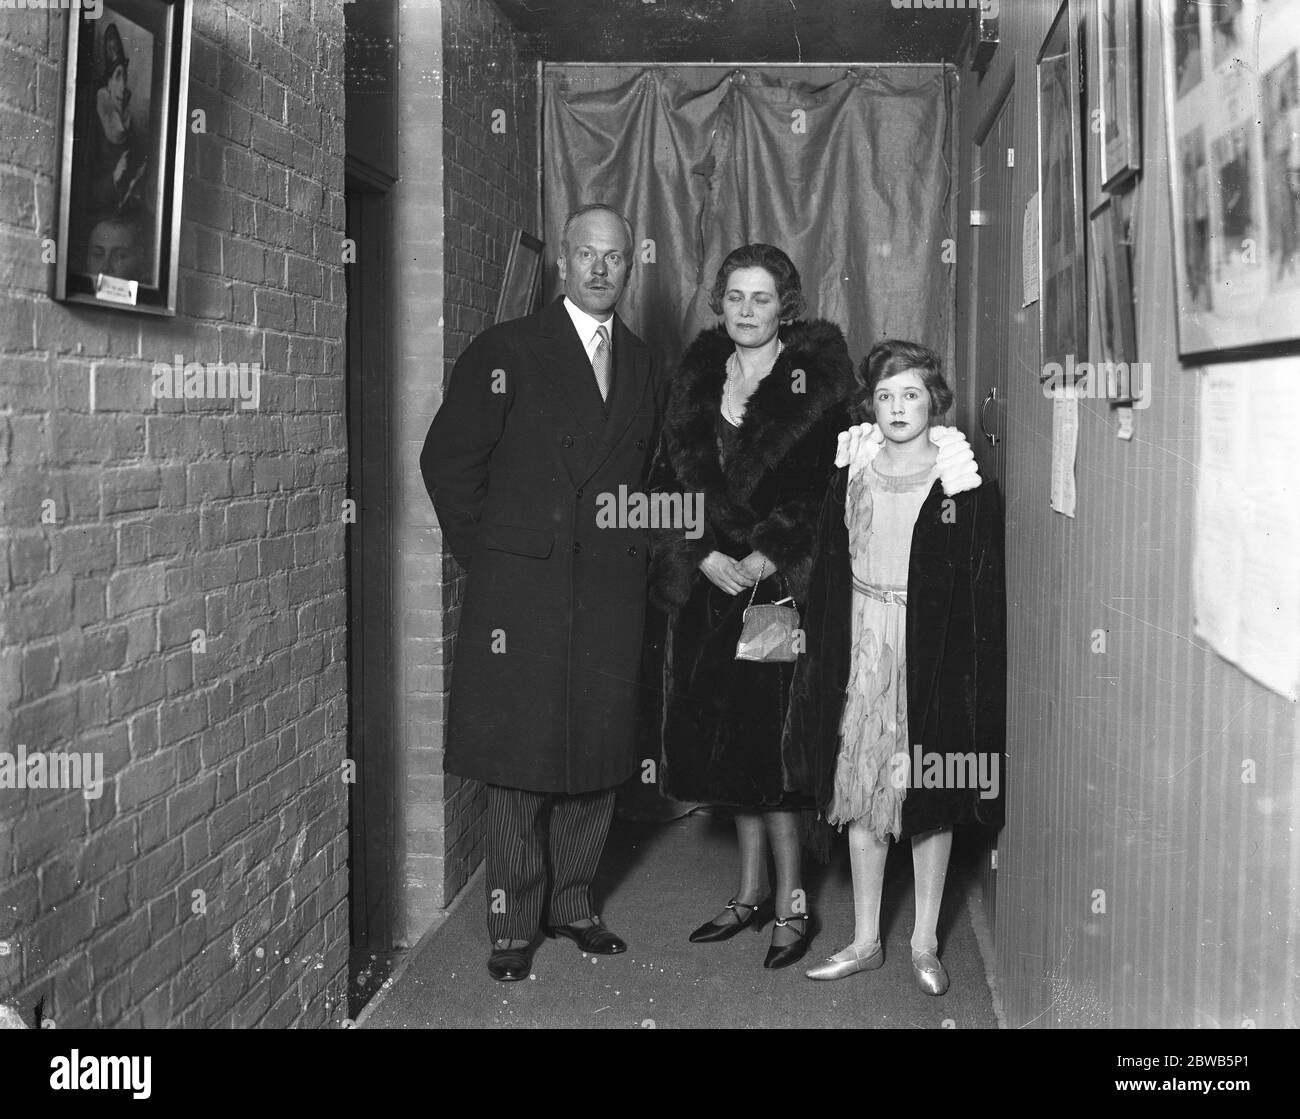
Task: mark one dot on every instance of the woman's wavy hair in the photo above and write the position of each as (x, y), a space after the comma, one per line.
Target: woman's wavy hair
(893, 356)
(776, 264)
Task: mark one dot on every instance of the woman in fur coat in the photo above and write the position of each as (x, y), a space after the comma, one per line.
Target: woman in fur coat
(752, 422)
(897, 709)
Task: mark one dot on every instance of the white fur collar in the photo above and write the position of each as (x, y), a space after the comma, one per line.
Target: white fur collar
(956, 462)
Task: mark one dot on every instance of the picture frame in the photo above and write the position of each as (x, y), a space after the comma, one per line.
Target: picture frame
(522, 279)
(1232, 95)
(1116, 368)
(1116, 33)
(1063, 298)
(126, 82)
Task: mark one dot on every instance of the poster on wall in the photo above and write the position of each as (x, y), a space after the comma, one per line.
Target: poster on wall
(1232, 85)
(124, 128)
(1245, 577)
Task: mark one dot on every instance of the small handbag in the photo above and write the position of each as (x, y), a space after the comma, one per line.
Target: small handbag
(768, 633)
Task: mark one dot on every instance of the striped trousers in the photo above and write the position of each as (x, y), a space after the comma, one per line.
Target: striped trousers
(542, 854)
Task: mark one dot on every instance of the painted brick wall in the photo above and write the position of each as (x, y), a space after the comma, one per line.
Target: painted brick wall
(489, 191)
(222, 766)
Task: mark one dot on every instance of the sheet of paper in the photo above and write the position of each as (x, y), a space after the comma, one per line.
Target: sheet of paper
(1029, 252)
(1065, 445)
(1246, 580)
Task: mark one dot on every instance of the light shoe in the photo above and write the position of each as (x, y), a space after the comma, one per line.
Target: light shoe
(863, 960)
(930, 974)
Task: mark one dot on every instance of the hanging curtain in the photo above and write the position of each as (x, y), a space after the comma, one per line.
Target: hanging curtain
(847, 171)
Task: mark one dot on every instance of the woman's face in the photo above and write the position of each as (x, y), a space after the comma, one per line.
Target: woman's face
(751, 307)
(117, 87)
(902, 404)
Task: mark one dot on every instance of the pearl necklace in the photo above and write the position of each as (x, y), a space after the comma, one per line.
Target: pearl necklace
(730, 412)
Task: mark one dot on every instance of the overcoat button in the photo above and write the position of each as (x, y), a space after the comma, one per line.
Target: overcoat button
(577, 547)
(567, 441)
(579, 493)
(640, 444)
(631, 549)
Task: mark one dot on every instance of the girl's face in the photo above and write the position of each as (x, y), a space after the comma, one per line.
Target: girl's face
(751, 308)
(902, 404)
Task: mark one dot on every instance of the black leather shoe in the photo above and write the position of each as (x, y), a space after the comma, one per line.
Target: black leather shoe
(783, 955)
(756, 915)
(510, 964)
(596, 939)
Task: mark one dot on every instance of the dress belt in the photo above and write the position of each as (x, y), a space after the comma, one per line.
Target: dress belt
(896, 596)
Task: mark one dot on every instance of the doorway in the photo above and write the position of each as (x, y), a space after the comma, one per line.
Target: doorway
(994, 298)
(374, 857)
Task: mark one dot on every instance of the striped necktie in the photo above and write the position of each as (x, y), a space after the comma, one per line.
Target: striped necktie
(600, 361)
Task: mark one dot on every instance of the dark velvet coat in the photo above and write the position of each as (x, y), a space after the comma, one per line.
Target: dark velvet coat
(548, 649)
(722, 718)
(956, 652)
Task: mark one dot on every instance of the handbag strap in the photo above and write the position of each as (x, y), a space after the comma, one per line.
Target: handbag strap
(752, 593)
(763, 567)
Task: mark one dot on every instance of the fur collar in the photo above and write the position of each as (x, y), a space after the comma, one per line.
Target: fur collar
(958, 471)
(781, 411)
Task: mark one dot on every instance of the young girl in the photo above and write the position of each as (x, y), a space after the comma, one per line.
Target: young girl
(900, 698)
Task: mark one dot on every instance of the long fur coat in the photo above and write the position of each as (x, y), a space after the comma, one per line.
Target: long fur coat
(722, 719)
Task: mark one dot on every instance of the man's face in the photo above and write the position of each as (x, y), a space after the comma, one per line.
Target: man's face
(595, 262)
(112, 250)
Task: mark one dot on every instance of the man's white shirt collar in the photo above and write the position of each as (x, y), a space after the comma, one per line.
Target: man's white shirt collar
(586, 326)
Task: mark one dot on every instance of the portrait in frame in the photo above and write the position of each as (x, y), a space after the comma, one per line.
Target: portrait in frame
(122, 170)
(1063, 301)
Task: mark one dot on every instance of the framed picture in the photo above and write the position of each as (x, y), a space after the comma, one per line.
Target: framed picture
(124, 126)
(1232, 89)
(523, 276)
(1117, 369)
(1063, 300)
(1115, 28)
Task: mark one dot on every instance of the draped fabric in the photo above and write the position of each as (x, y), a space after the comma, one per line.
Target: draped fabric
(848, 171)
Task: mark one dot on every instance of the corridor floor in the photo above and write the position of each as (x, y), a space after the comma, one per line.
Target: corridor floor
(659, 881)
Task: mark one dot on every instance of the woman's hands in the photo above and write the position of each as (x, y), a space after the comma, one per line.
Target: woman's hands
(734, 576)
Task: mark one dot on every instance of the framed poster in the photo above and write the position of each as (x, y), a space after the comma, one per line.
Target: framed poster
(124, 126)
(523, 273)
(1232, 88)
(1117, 369)
(1115, 28)
(1063, 301)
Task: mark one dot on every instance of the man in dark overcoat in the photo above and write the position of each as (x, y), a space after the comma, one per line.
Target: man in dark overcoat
(544, 419)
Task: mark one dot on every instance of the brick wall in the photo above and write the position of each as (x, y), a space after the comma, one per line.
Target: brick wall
(222, 763)
(489, 191)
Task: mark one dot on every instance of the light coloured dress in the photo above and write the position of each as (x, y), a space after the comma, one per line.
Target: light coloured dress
(880, 512)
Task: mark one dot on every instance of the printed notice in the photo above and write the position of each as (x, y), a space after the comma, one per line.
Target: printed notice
(1029, 252)
(1246, 581)
(1065, 446)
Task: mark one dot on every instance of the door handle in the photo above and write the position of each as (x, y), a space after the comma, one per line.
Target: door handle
(990, 436)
